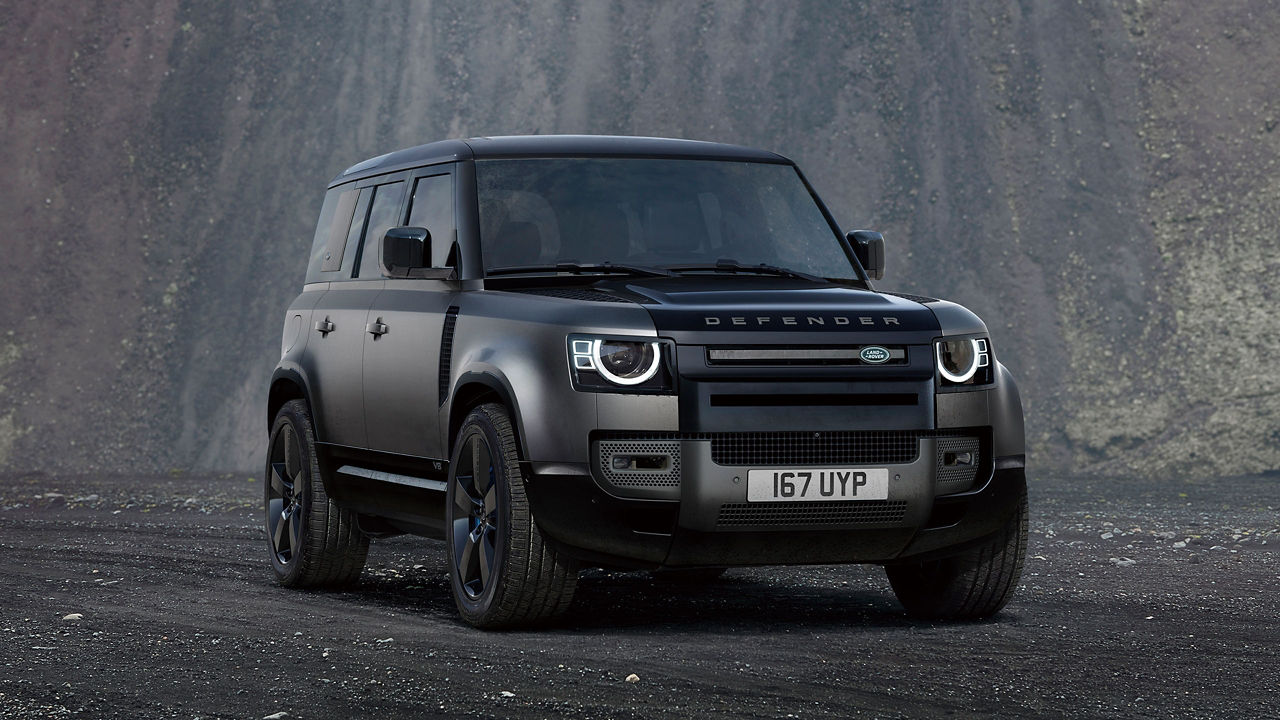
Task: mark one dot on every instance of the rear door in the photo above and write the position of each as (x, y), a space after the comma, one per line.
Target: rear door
(402, 361)
(339, 319)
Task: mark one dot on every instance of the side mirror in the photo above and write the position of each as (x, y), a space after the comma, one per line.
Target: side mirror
(406, 253)
(869, 247)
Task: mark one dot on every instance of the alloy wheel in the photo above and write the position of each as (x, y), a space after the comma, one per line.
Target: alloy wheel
(475, 516)
(285, 495)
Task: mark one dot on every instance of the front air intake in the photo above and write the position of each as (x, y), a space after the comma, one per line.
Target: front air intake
(958, 460)
(640, 463)
(879, 513)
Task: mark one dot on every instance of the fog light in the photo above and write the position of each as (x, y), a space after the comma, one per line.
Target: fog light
(640, 462)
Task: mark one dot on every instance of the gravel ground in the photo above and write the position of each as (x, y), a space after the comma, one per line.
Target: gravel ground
(124, 597)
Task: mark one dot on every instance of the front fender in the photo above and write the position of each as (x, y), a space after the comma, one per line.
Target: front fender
(516, 345)
(529, 374)
(1006, 416)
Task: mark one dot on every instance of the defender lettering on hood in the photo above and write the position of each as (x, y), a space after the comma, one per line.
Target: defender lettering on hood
(807, 320)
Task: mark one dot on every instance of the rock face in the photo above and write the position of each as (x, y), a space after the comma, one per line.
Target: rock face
(1098, 180)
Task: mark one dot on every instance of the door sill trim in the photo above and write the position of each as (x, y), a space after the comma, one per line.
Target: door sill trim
(382, 476)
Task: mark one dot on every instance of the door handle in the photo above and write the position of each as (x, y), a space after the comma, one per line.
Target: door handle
(324, 327)
(377, 329)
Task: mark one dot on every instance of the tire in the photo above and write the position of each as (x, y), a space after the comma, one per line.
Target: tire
(502, 572)
(312, 542)
(971, 585)
(687, 576)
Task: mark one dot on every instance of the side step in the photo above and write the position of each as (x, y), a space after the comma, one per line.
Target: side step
(381, 476)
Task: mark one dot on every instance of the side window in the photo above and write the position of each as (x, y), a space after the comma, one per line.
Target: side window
(337, 244)
(384, 211)
(331, 233)
(432, 208)
(356, 231)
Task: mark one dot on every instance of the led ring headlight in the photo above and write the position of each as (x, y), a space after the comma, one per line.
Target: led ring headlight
(621, 362)
(959, 360)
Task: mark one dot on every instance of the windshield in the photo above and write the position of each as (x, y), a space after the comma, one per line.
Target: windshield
(653, 213)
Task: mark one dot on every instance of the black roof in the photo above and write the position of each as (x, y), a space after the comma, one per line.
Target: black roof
(515, 146)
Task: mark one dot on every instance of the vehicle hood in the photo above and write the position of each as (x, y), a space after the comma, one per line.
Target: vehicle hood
(772, 310)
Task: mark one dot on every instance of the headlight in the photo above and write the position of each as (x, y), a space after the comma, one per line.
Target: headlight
(964, 361)
(604, 364)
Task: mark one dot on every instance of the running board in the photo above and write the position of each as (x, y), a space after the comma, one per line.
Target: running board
(380, 476)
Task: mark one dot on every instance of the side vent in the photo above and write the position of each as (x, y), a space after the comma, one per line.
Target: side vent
(446, 351)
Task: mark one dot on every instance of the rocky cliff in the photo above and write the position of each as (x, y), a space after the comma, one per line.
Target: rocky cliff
(1097, 179)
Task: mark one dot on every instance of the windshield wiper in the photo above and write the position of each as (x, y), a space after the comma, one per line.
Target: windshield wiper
(733, 266)
(582, 269)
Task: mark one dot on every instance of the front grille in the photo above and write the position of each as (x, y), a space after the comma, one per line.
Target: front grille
(800, 356)
(852, 447)
(794, 448)
(668, 477)
(865, 512)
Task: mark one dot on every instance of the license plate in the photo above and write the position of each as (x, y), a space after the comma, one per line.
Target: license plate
(794, 484)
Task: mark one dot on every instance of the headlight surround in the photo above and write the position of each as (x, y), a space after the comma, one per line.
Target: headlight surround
(963, 361)
(609, 364)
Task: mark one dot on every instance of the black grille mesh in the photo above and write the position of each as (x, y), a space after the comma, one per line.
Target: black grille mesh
(862, 447)
(791, 514)
(957, 478)
(640, 478)
(781, 448)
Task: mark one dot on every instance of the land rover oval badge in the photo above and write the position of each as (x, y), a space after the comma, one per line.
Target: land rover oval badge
(874, 354)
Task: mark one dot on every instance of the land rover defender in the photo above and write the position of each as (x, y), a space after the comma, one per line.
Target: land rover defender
(558, 352)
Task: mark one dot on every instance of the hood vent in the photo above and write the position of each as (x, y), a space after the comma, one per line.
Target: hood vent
(574, 293)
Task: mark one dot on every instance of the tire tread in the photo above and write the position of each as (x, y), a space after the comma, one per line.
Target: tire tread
(335, 549)
(971, 585)
(536, 584)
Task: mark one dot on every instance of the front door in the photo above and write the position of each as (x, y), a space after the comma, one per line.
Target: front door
(402, 359)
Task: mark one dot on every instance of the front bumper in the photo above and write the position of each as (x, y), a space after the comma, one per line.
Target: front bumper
(697, 513)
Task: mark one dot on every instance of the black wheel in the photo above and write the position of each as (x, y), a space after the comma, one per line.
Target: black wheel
(502, 572)
(688, 576)
(973, 584)
(312, 542)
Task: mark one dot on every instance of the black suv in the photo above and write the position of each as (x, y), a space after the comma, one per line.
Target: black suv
(565, 351)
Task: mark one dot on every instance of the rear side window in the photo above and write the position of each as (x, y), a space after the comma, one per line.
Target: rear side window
(432, 208)
(384, 214)
(330, 260)
(337, 243)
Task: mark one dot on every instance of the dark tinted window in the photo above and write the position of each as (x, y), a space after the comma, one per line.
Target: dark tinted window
(384, 214)
(432, 208)
(329, 244)
(355, 232)
(652, 211)
(334, 249)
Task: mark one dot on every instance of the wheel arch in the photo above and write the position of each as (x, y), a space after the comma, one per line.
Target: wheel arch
(474, 389)
(288, 384)
(1006, 415)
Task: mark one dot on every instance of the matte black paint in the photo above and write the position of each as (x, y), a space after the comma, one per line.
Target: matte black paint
(391, 401)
